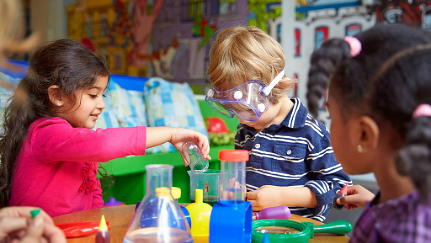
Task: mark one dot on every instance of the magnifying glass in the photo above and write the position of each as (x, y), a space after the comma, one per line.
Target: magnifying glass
(282, 230)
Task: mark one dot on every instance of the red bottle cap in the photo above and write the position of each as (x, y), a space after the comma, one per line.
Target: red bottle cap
(237, 155)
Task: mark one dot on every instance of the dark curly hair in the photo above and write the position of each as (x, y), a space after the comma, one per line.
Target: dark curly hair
(65, 63)
(387, 81)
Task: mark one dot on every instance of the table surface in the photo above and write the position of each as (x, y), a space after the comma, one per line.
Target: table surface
(119, 218)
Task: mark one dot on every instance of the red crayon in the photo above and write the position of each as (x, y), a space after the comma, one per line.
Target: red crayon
(102, 235)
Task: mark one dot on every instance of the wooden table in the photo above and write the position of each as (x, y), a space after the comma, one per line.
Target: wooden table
(119, 218)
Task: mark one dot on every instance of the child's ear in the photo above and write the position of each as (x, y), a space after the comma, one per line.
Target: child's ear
(368, 134)
(55, 96)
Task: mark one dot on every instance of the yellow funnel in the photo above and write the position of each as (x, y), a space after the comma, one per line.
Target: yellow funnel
(200, 214)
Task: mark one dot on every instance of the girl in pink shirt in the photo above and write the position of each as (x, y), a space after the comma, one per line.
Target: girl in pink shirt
(49, 154)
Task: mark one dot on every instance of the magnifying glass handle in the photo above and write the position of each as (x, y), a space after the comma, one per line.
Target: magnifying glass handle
(339, 227)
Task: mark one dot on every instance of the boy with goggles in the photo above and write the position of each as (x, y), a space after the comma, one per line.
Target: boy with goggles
(291, 159)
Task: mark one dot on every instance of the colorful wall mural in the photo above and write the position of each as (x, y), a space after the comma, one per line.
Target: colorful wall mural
(166, 38)
(172, 38)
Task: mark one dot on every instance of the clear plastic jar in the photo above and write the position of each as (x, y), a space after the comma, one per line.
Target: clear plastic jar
(232, 175)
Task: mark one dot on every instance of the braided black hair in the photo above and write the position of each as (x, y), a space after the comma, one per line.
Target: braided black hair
(388, 79)
(323, 62)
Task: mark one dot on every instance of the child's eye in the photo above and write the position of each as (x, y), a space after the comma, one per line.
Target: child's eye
(104, 95)
(93, 96)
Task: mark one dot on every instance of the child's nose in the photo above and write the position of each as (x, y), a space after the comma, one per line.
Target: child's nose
(101, 105)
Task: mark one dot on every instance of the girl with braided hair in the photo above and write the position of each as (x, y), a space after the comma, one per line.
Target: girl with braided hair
(379, 102)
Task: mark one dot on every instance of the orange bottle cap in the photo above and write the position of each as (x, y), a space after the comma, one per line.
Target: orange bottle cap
(237, 155)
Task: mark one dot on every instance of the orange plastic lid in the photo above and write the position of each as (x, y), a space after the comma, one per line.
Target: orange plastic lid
(237, 155)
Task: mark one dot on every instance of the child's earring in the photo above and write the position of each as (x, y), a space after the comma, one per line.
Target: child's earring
(359, 148)
(58, 104)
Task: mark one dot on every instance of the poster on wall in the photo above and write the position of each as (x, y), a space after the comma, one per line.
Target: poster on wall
(353, 29)
(297, 42)
(413, 13)
(320, 35)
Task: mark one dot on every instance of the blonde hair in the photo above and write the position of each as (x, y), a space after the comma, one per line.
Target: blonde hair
(11, 33)
(241, 54)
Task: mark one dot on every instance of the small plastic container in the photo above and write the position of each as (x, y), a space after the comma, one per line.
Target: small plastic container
(232, 176)
(279, 212)
(112, 202)
(194, 158)
(209, 182)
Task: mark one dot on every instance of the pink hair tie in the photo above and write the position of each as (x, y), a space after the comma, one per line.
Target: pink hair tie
(422, 110)
(355, 45)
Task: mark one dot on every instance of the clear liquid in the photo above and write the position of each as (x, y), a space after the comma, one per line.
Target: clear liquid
(155, 235)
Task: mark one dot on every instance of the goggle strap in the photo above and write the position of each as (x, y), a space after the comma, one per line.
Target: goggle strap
(274, 82)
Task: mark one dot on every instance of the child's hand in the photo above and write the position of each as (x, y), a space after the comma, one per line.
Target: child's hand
(18, 225)
(265, 197)
(180, 135)
(356, 197)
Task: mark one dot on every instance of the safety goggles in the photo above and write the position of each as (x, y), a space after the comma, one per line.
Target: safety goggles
(247, 101)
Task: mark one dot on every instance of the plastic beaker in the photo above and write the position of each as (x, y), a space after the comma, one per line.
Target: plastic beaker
(159, 217)
(232, 175)
(209, 182)
(193, 156)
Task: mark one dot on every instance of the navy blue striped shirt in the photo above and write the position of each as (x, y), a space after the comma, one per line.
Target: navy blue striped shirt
(297, 153)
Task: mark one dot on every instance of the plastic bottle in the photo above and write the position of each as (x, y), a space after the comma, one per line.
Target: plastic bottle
(279, 212)
(176, 193)
(159, 217)
(102, 235)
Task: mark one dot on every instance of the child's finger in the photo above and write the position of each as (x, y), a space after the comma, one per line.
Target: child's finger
(351, 190)
(251, 195)
(255, 205)
(34, 234)
(350, 199)
(184, 161)
(54, 234)
(15, 212)
(205, 145)
(9, 225)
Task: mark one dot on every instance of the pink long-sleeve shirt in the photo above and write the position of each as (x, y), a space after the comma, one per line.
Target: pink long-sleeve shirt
(56, 169)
